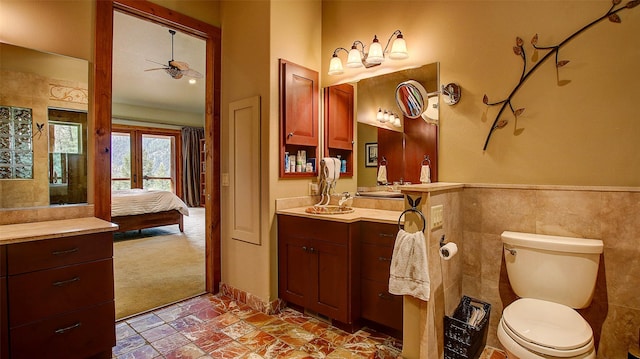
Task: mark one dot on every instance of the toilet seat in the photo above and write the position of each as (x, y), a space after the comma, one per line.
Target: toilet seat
(548, 328)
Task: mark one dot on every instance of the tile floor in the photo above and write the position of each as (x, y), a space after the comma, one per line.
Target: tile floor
(214, 326)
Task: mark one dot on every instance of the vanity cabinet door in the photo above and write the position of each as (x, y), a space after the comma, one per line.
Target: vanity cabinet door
(378, 305)
(338, 124)
(316, 266)
(299, 107)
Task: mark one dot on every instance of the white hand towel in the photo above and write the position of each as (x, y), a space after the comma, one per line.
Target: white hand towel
(409, 272)
(328, 169)
(336, 168)
(425, 174)
(382, 174)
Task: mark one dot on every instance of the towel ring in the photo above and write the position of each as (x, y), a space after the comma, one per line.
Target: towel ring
(424, 220)
(426, 159)
(384, 161)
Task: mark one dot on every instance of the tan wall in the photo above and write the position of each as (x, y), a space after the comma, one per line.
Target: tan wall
(245, 73)
(584, 133)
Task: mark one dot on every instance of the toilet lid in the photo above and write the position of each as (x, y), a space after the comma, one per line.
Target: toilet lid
(547, 324)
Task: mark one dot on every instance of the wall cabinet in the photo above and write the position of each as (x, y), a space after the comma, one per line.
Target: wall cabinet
(319, 269)
(298, 114)
(338, 124)
(378, 305)
(60, 297)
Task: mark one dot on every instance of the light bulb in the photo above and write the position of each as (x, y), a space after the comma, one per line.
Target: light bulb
(379, 115)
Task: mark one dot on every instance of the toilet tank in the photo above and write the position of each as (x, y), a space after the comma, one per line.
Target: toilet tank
(553, 268)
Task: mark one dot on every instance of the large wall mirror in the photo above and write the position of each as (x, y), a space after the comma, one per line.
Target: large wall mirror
(403, 145)
(52, 143)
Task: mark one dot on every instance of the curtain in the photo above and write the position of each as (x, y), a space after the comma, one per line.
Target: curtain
(191, 165)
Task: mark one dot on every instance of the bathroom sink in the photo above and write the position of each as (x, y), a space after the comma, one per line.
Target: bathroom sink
(329, 210)
(383, 194)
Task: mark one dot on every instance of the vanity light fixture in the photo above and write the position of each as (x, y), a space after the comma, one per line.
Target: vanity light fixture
(357, 57)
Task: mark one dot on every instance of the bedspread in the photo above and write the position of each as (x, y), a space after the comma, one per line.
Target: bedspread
(140, 201)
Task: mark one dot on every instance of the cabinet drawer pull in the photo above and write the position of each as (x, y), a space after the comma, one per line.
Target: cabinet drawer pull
(312, 250)
(64, 330)
(66, 251)
(290, 134)
(389, 235)
(68, 281)
(384, 259)
(385, 296)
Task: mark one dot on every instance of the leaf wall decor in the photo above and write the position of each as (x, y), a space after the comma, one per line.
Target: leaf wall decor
(519, 50)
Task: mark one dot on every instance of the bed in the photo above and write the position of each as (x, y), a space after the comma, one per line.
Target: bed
(137, 209)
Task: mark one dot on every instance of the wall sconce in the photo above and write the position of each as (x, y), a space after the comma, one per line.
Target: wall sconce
(388, 117)
(357, 57)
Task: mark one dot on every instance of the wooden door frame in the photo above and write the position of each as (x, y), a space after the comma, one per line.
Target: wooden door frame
(101, 111)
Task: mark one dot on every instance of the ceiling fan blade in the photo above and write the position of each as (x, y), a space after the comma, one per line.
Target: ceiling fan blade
(192, 73)
(157, 63)
(157, 68)
(179, 64)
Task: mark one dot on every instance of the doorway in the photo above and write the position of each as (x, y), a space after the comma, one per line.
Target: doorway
(103, 115)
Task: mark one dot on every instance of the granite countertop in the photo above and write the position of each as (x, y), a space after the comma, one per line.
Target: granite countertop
(359, 214)
(26, 232)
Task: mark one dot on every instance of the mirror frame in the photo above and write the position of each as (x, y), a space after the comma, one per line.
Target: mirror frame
(101, 106)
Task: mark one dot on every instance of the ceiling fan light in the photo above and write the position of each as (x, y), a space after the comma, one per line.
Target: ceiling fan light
(399, 49)
(376, 56)
(354, 60)
(335, 66)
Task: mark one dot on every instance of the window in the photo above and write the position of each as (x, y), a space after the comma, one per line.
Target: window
(145, 158)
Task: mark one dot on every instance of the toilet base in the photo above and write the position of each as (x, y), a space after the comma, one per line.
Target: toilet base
(516, 351)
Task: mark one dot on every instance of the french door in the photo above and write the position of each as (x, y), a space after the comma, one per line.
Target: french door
(145, 158)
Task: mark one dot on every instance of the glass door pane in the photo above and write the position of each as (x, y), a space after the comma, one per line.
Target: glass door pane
(120, 161)
(157, 162)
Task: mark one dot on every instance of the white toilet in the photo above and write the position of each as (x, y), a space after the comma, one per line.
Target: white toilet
(551, 275)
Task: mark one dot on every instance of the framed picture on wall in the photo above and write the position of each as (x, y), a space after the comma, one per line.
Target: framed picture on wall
(371, 154)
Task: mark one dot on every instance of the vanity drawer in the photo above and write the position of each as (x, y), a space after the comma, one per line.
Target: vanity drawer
(375, 261)
(379, 306)
(32, 256)
(74, 335)
(378, 233)
(42, 294)
(335, 232)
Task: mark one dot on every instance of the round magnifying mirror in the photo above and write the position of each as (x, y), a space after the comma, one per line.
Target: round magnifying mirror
(411, 98)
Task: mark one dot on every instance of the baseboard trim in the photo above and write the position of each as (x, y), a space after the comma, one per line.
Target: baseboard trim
(251, 300)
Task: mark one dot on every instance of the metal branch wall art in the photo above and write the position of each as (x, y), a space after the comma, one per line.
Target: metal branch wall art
(498, 123)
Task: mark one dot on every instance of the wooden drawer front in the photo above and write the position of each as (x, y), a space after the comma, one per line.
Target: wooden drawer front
(41, 294)
(335, 232)
(50, 253)
(80, 334)
(375, 261)
(378, 233)
(379, 306)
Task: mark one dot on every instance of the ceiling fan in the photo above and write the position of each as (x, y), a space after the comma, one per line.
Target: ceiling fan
(176, 69)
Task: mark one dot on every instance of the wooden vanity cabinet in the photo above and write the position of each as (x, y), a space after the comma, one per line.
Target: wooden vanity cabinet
(338, 124)
(4, 332)
(319, 267)
(377, 304)
(61, 297)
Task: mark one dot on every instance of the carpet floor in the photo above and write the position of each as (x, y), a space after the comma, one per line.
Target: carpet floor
(159, 266)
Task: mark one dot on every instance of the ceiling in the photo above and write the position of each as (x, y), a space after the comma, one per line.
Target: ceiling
(139, 45)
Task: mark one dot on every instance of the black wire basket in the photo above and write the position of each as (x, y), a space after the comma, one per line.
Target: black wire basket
(461, 339)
